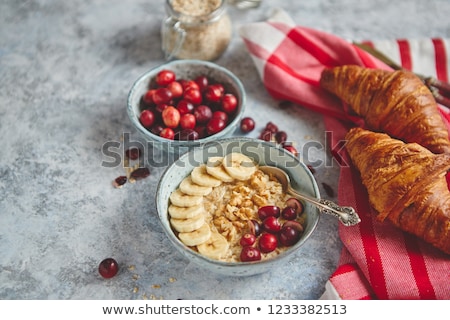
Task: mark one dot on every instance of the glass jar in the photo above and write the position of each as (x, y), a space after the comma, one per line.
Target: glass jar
(195, 29)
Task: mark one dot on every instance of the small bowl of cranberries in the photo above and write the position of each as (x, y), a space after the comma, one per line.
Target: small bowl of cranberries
(270, 238)
(184, 103)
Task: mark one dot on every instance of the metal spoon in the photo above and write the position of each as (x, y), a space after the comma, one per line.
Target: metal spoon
(347, 215)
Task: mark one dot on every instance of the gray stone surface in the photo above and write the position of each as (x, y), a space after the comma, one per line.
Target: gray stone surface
(65, 71)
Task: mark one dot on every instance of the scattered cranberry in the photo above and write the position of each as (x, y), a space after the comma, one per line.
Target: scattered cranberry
(291, 149)
(281, 137)
(266, 135)
(270, 126)
(133, 153)
(267, 242)
(140, 173)
(165, 77)
(187, 134)
(250, 254)
(120, 181)
(108, 268)
(147, 118)
(247, 239)
(247, 124)
(289, 213)
(271, 224)
(269, 211)
(171, 117)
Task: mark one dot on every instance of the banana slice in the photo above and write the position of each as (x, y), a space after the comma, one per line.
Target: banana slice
(185, 212)
(189, 187)
(239, 166)
(196, 237)
(215, 247)
(215, 168)
(203, 178)
(182, 199)
(189, 224)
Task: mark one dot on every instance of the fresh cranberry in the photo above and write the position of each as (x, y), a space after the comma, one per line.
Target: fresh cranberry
(108, 268)
(203, 114)
(148, 97)
(271, 224)
(254, 227)
(171, 117)
(186, 134)
(215, 125)
(247, 124)
(167, 133)
(289, 236)
(291, 149)
(147, 118)
(266, 135)
(267, 242)
(156, 129)
(293, 224)
(247, 239)
(220, 114)
(270, 126)
(160, 107)
(176, 89)
(187, 121)
(202, 82)
(281, 137)
(250, 254)
(189, 84)
(289, 213)
(193, 95)
(268, 211)
(162, 95)
(201, 130)
(229, 103)
(184, 107)
(296, 204)
(213, 93)
(164, 77)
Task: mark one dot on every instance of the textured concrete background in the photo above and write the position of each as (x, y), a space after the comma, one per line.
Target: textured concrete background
(65, 71)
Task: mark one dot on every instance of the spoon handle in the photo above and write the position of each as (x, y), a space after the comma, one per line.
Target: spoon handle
(347, 215)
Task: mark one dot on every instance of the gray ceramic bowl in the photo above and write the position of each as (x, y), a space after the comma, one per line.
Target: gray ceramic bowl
(263, 153)
(186, 69)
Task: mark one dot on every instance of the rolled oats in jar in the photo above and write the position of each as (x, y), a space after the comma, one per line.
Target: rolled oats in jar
(195, 29)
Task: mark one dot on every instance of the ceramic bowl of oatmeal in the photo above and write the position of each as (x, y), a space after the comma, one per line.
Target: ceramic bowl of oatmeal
(182, 104)
(220, 211)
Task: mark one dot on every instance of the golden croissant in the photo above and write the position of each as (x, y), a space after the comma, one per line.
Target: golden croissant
(405, 183)
(394, 102)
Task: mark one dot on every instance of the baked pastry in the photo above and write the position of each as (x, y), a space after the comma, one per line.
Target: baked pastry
(405, 183)
(394, 102)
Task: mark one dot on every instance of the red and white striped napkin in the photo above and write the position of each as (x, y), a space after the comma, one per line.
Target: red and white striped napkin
(378, 261)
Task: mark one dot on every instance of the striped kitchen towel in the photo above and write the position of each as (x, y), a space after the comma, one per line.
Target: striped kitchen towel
(378, 261)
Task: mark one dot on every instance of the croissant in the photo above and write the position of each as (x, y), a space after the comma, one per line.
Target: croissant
(405, 183)
(394, 102)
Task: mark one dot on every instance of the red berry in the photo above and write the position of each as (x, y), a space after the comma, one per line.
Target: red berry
(269, 211)
(247, 124)
(220, 114)
(187, 121)
(147, 118)
(254, 227)
(281, 137)
(201, 130)
(202, 82)
(289, 213)
(289, 236)
(171, 117)
(270, 126)
(187, 134)
(291, 149)
(247, 239)
(148, 97)
(156, 129)
(293, 224)
(213, 93)
(271, 224)
(250, 254)
(133, 153)
(184, 106)
(215, 125)
(266, 135)
(176, 89)
(167, 133)
(203, 114)
(193, 95)
(162, 95)
(160, 107)
(229, 103)
(296, 204)
(267, 242)
(108, 268)
(164, 77)
(189, 84)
